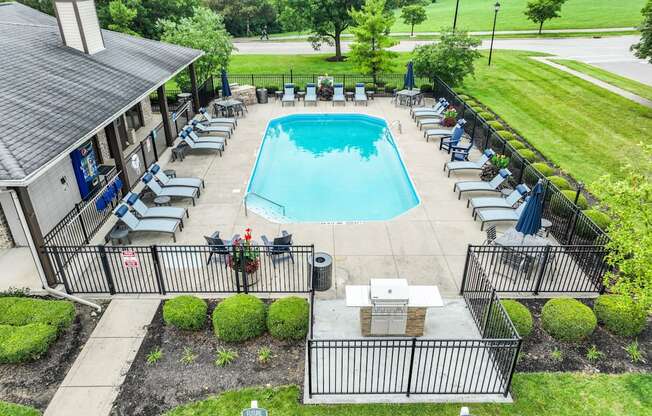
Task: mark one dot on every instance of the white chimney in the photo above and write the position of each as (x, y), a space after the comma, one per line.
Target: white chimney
(79, 26)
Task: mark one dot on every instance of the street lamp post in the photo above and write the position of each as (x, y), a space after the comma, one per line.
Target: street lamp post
(493, 31)
(457, 6)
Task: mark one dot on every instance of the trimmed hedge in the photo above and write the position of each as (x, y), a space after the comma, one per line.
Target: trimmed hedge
(472, 103)
(514, 143)
(560, 182)
(239, 318)
(185, 312)
(425, 88)
(496, 125)
(487, 115)
(527, 154)
(509, 136)
(19, 311)
(581, 201)
(463, 97)
(600, 219)
(11, 409)
(620, 315)
(561, 208)
(544, 169)
(477, 108)
(288, 318)
(568, 319)
(26, 342)
(520, 316)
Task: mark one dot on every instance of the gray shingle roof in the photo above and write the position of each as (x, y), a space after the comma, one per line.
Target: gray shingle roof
(52, 96)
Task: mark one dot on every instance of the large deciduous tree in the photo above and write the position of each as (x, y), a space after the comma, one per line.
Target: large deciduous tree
(451, 59)
(204, 30)
(643, 49)
(244, 17)
(371, 30)
(540, 11)
(122, 17)
(413, 15)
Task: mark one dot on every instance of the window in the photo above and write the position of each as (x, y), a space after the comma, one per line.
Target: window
(135, 117)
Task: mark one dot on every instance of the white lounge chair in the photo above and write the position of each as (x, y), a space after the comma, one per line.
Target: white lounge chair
(171, 191)
(161, 225)
(226, 130)
(469, 165)
(189, 132)
(144, 212)
(202, 145)
(311, 94)
(165, 180)
(227, 121)
(482, 186)
(500, 214)
(360, 94)
(498, 202)
(436, 108)
(338, 94)
(288, 94)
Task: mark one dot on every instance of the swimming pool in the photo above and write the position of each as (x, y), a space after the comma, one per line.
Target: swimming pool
(329, 168)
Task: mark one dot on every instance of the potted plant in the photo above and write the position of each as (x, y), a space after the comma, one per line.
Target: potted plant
(325, 91)
(490, 170)
(450, 117)
(242, 250)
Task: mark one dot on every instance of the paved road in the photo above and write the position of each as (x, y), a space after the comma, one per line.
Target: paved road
(610, 53)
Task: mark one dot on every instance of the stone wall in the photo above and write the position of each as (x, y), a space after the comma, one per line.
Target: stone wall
(245, 93)
(6, 241)
(416, 319)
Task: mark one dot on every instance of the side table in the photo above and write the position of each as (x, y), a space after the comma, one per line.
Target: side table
(119, 235)
(160, 201)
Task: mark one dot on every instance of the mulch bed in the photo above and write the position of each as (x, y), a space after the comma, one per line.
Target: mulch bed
(34, 383)
(152, 389)
(536, 351)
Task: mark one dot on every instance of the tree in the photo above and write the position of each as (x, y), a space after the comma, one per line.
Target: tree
(413, 15)
(289, 19)
(539, 11)
(122, 17)
(204, 30)
(451, 59)
(242, 17)
(46, 6)
(327, 19)
(643, 49)
(369, 51)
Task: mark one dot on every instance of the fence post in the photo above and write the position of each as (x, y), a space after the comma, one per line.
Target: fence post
(412, 351)
(245, 280)
(81, 222)
(486, 320)
(107, 268)
(576, 213)
(466, 268)
(157, 269)
(309, 347)
(542, 269)
(57, 260)
(513, 367)
(282, 82)
(291, 76)
(252, 80)
(486, 137)
(344, 79)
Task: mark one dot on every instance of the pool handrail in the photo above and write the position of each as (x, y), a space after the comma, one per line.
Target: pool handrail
(261, 197)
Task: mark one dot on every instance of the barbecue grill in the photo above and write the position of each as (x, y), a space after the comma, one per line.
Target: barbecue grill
(389, 306)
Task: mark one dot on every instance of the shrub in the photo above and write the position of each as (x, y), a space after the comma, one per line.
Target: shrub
(527, 154)
(185, 312)
(369, 87)
(543, 169)
(426, 88)
(10, 409)
(239, 318)
(486, 115)
(288, 318)
(463, 97)
(520, 316)
(560, 182)
(26, 342)
(23, 311)
(477, 108)
(568, 319)
(581, 201)
(496, 125)
(272, 89)
(515, 143)
(600, 219)
(620, 315)
(509, 136)
(390, 88)
(472, 103)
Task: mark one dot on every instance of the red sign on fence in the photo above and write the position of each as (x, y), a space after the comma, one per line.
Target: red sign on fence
(129, 259)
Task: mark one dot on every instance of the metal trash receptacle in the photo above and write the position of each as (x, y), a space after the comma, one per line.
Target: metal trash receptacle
(261, 95)
(322, 271)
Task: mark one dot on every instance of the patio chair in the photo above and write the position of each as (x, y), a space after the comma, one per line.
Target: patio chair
(201, 128)
(500, 214)
(281, 246)
(161, 225)
(498, 202)
(443, 132)
(449, 142)
(288, 95)
(228, 121)
(176, 213)
(219, 247)
(203, 145)
(482, 186)
(469, 165)
(360, 94)
(437, 108)
(338, 94)
(311, 94)
(189, 132)
(171, 191)
(491, 235)
(166, 181)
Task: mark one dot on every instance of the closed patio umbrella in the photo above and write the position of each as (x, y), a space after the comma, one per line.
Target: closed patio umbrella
(530, 220)
(226, 89)
(408, 80)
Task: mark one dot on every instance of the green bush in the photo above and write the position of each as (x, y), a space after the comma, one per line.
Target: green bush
(487, 115)
(426, 88)
(560, 182)
(543, 169)
(620, 315)
(288, 318)
(515, 144)
(568, 319)
(581, 201)
(472, 103)
(272, 89)
(600, 219)
(509, 136)
(477, 108)
(239, 318)
(463, 97)
(10, 409)
(369, 87)
(185, 312)
(520, 316)
(390, 88)
(527, 154)
(22, 311)
(562, 208)
(26, 342)
(496, 125)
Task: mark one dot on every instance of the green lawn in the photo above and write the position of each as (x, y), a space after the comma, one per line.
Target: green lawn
(10, 409)
(545, 394)
(300, 64)
(635, 87)
(478, 15)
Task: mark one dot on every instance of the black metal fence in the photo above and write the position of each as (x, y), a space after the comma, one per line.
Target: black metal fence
(537, 269)
(569, 224)
(181, 269)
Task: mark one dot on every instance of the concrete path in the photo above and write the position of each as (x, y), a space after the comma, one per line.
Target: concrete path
(93, 382)
(624, 93)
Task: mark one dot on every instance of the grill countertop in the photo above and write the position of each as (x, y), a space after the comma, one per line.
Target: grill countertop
(419, 296)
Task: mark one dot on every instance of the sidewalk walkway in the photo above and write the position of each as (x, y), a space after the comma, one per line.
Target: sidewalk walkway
(93, 382)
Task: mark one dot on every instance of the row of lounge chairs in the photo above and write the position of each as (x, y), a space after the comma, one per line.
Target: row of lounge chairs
(289, 97)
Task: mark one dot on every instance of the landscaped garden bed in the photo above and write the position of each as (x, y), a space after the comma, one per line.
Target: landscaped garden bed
(175, 366)
(41, 341)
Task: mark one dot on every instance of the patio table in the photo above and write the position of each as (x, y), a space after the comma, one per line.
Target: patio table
(522, 259)
(409, 96)
(227, 107)
(512, 237)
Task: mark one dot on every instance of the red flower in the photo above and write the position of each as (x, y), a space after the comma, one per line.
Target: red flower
(248, 234)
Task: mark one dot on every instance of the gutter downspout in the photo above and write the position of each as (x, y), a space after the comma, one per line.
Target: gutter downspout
(39, 268)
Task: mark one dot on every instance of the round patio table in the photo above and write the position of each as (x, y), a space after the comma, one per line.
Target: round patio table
(349, 95)
(119, 235)
(301, 95)
(160, 201)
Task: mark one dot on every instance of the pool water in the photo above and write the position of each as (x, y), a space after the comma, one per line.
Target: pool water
(329, 168)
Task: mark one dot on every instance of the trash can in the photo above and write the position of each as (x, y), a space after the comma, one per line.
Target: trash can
(261, 95)
(322, 271)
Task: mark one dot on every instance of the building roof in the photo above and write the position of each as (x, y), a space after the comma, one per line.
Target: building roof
(53, 97)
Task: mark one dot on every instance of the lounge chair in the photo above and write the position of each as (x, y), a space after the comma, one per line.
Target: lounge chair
(469, 165)
(482, 186)
(165, 180)
(227, 121)
(144, 212)
(161, 225)
(445, 132)
(201, 128)
(218, 246)
(311, 94)
(281, 246)
(171, 191)
(449, 142)
(202, 145)
(498, 202)
(189, 132)
(436, 110)
(500, 214)
(360, 94)
(288, 94)
(338, 94)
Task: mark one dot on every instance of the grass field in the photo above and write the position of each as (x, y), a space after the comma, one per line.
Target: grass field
(635, 87)
(477, 15)
(300, 64)
(550, 394)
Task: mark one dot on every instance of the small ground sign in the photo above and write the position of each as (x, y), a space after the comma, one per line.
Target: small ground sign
(129, 259)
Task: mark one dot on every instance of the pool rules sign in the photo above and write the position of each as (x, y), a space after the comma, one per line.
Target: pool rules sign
(254, 410)
(129, 259)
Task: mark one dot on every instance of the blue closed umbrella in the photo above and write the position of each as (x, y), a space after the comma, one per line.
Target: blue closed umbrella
(530, 220)
(226, 89)
(408, 81)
